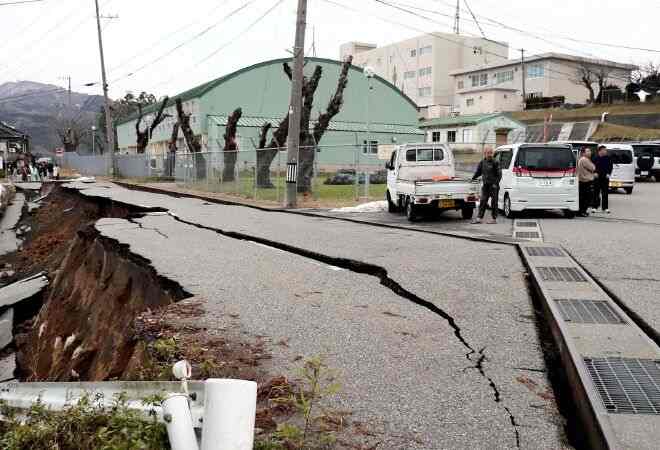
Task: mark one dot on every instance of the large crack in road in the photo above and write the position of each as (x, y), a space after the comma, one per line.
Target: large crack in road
(385, 280)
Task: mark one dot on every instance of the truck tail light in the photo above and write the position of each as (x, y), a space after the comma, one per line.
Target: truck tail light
(570, 172)
(472, 198)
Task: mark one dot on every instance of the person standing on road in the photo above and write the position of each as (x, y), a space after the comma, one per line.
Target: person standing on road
(604, 169)
(491, 173)
(56, 171)
(586, 171)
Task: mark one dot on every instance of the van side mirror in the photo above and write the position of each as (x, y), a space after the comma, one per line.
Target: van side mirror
(388, 166)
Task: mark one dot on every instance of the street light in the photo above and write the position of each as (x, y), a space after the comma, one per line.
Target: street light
(93, 140)
(369, 72)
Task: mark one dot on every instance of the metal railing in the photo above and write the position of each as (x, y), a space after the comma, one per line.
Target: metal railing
(224, 410)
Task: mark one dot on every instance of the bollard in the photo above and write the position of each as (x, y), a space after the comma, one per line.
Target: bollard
(229, 412)
(178, 420)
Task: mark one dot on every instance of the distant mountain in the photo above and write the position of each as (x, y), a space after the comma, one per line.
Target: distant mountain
(37, 108)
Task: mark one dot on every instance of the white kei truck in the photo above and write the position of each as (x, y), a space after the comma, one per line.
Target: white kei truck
(422, 178)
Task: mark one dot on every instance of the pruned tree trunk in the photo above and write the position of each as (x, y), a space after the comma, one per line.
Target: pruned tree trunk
(142, 136)
(70, 139)
(267, 153)
(171, 151)
(231, 147)
(309, 142)
(192, 141)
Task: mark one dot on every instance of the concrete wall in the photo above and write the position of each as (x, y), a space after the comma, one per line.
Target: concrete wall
(488, 102)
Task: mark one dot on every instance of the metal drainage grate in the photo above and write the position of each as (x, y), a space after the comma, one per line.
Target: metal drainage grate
(568, 274)
(526, 224)
(588, 311)
(626, 385)
(527, 234)
(544, 251)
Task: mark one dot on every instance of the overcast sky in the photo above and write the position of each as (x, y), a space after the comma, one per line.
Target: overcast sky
(55, 38)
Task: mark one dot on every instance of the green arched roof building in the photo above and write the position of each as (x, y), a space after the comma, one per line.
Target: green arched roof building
(263, 90)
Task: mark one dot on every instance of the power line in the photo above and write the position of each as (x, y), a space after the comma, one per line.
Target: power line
(186, 42)
(20, 2)
(36, 93)
(225, 45)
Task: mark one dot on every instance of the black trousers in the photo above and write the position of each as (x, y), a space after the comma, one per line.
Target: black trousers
(586, 195)
(602, 191)
(488, 191)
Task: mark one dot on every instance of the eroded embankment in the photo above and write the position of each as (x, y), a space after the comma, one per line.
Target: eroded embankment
(84, 330)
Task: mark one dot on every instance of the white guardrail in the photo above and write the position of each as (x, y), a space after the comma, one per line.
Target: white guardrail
(223, 409)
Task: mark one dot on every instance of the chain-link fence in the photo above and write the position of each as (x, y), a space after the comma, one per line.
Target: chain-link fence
(335, 174)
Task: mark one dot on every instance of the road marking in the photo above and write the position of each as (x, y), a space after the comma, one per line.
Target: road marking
(527, 229)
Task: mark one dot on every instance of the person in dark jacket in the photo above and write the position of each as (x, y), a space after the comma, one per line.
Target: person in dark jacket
(491, 173)
(604, 168)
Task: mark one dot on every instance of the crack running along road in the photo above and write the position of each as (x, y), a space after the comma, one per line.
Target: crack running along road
(382, 275)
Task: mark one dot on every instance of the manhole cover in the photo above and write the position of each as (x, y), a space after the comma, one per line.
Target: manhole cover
(626, 385)
(544, 251)
(588, 311)
(567, 274)
(527, 234)
(526, 224)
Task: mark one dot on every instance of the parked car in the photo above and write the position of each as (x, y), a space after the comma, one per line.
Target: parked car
(537, 176)
(647, 160)
(623, 175)
(422, 177)
(347, 176)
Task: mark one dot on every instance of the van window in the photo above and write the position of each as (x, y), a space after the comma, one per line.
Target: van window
(653, 150)
(545, 158)
(505, 159)
(619, 156)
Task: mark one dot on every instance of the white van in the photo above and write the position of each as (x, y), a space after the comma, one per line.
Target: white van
(623, 174)
(537, 176)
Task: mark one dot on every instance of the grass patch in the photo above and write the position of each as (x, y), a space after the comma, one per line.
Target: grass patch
(610, 131)
(593, 112)
(84, 425)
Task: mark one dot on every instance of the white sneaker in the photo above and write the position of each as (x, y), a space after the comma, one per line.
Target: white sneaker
(606, 211)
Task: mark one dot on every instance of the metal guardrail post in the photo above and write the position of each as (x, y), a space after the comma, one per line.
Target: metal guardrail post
(229, 414)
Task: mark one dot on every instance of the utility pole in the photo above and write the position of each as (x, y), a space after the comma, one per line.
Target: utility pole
(110, 134)
(295, 108)
(457, 19)
(524, 76)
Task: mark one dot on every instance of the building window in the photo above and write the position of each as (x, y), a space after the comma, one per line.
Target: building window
(467, 135)
(425, 50)
(535, 95)
(413, 52)
(469, 102)
(535, 71)
(483, 79)
(474, 80)
(424, 92)
(451, 136)
(503, 77)
(436, 136)
(370, 147)
(424, 71)
(409, 75)
(461, 85)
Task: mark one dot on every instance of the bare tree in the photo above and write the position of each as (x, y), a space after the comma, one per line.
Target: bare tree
(192, 141)
(309, 136)
(590, 74)
(231, 147)
(144, 135)
(172, 148)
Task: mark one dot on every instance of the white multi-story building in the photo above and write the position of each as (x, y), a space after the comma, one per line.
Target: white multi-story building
(421, 66)
(497, 87)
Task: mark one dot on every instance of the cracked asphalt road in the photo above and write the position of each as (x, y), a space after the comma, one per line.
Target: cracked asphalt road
(404, 368)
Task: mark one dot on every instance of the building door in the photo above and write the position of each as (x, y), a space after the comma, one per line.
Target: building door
(501, 136)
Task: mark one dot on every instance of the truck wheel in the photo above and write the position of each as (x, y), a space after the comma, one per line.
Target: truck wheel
(410, 210)
(467, 213)
(628, 190)
(507, 208)
(391, 207)
(569, 214)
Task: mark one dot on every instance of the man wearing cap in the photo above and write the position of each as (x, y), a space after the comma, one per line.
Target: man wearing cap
(604, 168)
